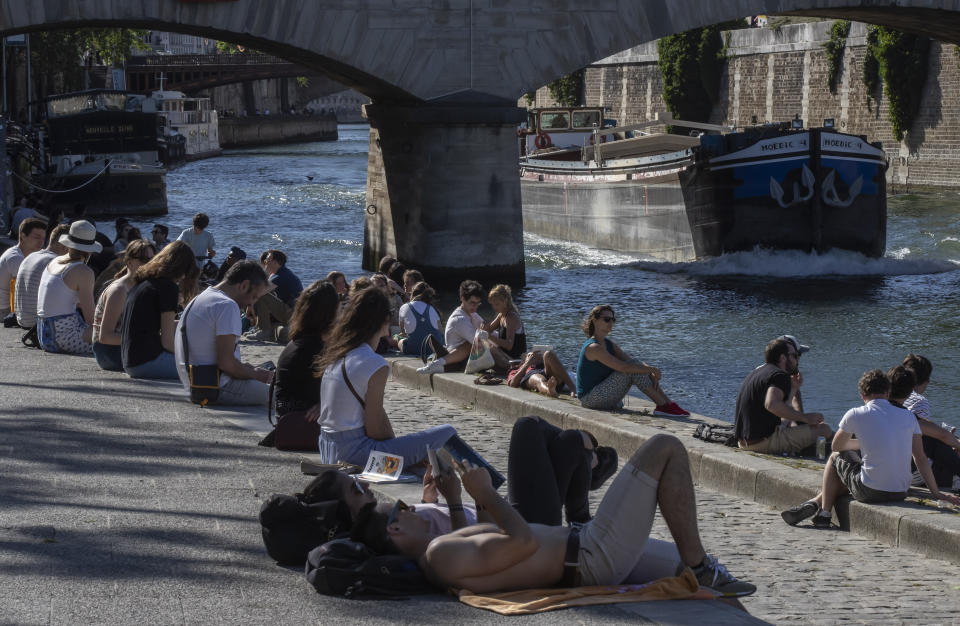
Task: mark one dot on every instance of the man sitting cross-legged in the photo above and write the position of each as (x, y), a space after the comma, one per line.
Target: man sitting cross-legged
(887, 435)
(606, 550)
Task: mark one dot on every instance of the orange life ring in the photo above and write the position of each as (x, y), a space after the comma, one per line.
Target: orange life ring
(603, 139)
(542, 141)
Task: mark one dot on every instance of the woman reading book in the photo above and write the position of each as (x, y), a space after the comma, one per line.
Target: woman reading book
(353, 420)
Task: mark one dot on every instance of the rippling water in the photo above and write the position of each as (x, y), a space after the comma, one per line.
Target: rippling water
(704, 324)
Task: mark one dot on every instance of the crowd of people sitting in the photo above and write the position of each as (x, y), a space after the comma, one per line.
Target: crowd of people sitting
(162, 309)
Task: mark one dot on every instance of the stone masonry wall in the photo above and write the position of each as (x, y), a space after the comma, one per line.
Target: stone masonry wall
(772, 76)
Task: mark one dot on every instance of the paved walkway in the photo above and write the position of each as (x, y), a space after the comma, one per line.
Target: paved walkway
(120, 504)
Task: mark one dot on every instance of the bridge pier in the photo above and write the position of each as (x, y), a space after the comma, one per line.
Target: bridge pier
(443, 194)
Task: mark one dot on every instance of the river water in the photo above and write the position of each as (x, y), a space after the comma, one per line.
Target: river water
(704, 324)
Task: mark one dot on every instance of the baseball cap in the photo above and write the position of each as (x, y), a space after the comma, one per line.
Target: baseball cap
(799, 347)
(237, 253)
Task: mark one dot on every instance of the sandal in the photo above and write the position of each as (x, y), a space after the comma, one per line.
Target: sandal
(487, 379)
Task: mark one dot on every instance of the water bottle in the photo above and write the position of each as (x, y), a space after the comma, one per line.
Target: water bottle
(821, 448)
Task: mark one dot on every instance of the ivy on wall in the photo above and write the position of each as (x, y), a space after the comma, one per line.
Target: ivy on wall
(901, 60)
(834, 48)
(568, 90)
(691, 64)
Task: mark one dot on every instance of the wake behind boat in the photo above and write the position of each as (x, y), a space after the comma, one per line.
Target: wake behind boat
(682, 198)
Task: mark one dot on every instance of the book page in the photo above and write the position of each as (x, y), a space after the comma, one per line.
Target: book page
(382, 467)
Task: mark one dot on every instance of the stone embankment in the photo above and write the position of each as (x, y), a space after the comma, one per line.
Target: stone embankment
(259, 131)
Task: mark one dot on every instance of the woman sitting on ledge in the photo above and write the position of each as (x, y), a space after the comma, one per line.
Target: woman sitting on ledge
(352, 418)
(419, 319)
(106, 317)
(605, 372)
(510, 339)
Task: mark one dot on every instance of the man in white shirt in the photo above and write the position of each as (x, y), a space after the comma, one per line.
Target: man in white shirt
(213, 332)
(462, 325)
(32, 232)
(887, 436)
(199, 240)
(28, 277)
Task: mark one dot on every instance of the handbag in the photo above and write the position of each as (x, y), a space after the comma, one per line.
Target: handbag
(204, 379)
(480, 356)
(292, 431)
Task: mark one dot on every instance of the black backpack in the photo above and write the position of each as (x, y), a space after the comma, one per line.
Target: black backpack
(716, 433)
(350, 569)
(292, 528)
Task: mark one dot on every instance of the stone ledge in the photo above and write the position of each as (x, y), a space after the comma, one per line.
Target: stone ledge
(774, 481)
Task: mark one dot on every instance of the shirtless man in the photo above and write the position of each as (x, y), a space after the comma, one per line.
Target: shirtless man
(515, 555)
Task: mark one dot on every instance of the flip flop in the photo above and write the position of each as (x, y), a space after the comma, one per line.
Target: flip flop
(487, 379)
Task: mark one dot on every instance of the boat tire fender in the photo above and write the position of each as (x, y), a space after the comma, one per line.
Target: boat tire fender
(543, 141)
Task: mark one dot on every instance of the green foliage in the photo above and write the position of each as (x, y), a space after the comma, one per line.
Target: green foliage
(834, 48)
(531, 97)
(58, 56)
(568, 90)
(691, 64)
(901, 60)
(303, 81)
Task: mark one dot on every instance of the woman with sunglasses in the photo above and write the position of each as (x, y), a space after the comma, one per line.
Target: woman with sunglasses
(352, 418)
(149, 315)
(605, 373)
(106, 316)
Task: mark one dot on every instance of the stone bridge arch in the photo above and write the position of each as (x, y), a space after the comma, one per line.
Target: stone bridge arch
(444, 76)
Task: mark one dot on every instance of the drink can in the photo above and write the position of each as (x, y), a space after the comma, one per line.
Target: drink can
(822, 448)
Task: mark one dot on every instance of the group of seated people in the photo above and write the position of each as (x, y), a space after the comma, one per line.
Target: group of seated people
(875, 446)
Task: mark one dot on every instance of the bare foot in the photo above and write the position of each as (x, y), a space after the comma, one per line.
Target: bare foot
(552, 387)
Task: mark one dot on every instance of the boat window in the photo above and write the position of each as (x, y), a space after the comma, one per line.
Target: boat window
(531, 121)
(554, 120)
(586, 119)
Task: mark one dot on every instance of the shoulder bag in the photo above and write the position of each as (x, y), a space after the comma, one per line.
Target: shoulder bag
(292, 431)
(204, 379)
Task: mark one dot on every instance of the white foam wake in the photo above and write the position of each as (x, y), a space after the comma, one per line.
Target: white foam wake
(794, 263)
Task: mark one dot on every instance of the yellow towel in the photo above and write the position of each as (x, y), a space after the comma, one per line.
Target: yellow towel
(683, 587)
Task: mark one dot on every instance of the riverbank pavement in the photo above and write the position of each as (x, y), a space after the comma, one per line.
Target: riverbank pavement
(123, 503)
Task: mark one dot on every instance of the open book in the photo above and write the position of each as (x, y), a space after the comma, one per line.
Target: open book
(382, 467)
(457, 448)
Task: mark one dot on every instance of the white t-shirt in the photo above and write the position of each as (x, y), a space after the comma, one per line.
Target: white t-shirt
(199, 243)
(918, 404)
(461, 328)
(212, 313)
(9, 264)
(408, 318)
(28, 286)
(885, 433)
(339, 409)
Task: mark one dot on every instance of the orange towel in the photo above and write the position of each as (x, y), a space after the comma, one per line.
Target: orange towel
(683, 587)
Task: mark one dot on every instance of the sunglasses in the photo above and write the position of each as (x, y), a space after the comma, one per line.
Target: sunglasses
(399, 506)
(795, 355)
(609, 319)
(358, 486)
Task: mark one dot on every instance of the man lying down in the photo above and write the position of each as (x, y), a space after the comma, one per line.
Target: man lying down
(608, 550)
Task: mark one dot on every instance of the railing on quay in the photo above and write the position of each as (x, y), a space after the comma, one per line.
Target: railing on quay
(196, 60)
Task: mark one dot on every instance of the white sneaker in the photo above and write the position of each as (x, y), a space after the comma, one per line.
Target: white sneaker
(433, 367)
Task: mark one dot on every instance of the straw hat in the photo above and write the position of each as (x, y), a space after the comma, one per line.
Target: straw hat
(82, 236)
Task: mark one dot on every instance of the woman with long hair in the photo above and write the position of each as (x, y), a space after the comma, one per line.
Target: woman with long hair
(149, 317)
(352, 418)
(313, 313)
(605, 373)
(106, 318)
(419, 319)
(511, 339)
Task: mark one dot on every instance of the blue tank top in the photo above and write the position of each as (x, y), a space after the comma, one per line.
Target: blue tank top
(591, 373)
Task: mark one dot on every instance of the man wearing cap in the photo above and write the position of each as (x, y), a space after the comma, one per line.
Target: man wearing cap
(236, 254)
(770, 416)
(32, 232)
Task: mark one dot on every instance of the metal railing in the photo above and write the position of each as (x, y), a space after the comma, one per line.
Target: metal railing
(196, 60)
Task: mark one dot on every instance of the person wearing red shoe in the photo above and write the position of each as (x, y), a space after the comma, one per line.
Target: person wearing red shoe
(605, 373)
